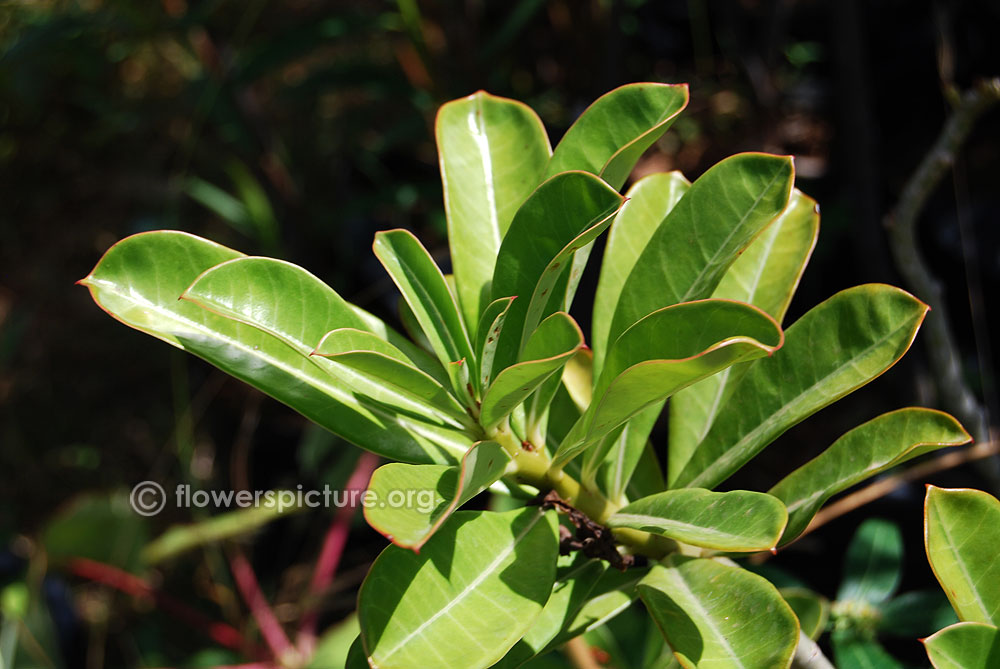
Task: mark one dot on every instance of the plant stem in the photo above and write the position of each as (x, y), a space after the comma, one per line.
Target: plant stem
(808, 655)
(246, 582)
(134, 586)
(901, 223)
(534, 467)
(329, 556)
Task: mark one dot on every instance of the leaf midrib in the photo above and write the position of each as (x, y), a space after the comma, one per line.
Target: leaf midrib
(468, 589)
(667, 523)
(726, 457)
(333, 391)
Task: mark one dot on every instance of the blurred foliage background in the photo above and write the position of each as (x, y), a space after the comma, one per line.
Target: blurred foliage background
(298, 128)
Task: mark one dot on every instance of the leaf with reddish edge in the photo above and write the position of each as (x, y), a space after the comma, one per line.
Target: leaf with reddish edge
(562, 216)
(616, 129)
(869, 449)
(734, 521)
(427, 293)
(961, 534)
(835, 348)
(466, 599)
(493, 152)
(556, 340)
(432, 493)
(766, 275)
(964, 646)
(644, 367)
(487, 336)
(379, 360)
(138, 282)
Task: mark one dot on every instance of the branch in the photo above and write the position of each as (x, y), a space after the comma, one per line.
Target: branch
(901, 224)
(808, 655)
(275, 637)
(333, 549)
(889, 484)
(134, 586)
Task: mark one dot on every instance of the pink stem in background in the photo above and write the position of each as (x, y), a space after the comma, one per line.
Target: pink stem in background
(270, 628)
(130, 584)
(333, 549)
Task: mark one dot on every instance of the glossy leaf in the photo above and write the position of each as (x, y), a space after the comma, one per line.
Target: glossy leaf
(555, 341)
(961, 536)
(738, 520)
(811, 609)
(916, 614)
(867, 450)
(644, 367)
(835, 348)
(650, 199)
(614, 593)
(138, 282)
(569, 594)
(366, 353)
(765, 275)
(616, 467)
(467, 598)
(743, 623)
(612, 133)
(414, 500)
(258, 292)
(872, 568)
(493, 152)
(424, 288)
(487, 337)
(964, 646)
(565, 214)
(851, 649)
(718, 216)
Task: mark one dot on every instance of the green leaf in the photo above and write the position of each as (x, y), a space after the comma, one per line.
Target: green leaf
(616, 467)
(356, 658)
(467, 598)
(738, 520)
(182, 538)
(379, 360)
(493, 154)
(716, 615)
(765, 275)
(644, 367)
(100, 527)
(916, 614)
(257, 291)
(138, 282)
(961, 537)
(569, 594)
(869, 449)
(426, 495)
(811, 609)
(649, 200)
(873, 563)
(426, 292)
(964, 646)
(853, 651)
(614, 593)
(565, 214)
(556, 340)
(835, 348)
(718, 216)
(334, 646)
(612, 133)
(487, 336)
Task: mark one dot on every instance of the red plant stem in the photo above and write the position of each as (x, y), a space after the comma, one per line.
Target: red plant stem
(134, 586)
(332, 550)
(270, 628)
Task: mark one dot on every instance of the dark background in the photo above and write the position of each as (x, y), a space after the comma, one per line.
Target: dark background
(297, 129)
